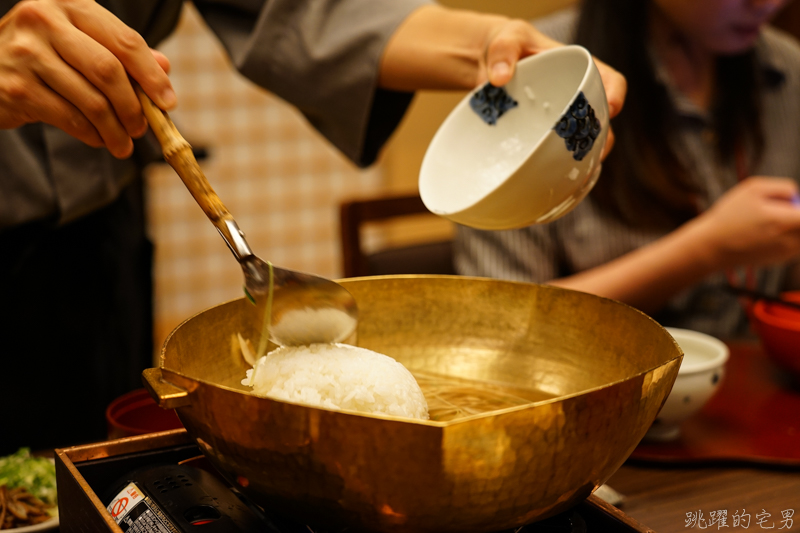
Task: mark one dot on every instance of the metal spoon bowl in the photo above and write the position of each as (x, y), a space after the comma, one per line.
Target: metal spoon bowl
(305, 309)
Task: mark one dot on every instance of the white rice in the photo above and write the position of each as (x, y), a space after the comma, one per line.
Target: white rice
(338, 376)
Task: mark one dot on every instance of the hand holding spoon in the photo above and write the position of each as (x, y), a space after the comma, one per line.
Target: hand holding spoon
(305, 309)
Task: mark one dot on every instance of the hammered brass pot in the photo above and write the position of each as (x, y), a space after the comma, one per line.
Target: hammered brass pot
(566, 385)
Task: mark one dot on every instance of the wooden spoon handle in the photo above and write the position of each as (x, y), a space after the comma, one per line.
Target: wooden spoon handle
(178, 153)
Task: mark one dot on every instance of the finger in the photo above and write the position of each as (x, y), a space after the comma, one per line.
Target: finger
(131, 50)
(515, 40)
(90, 102)
(162, 60)
(778, 188)
(610, 140)
(616, 87)
(501, 59)
(52, 109)
(790, 215)
(105, 72)
(782, 195)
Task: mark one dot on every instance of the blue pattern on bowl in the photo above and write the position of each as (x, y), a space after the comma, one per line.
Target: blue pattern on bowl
(579, 127)
(490, 103)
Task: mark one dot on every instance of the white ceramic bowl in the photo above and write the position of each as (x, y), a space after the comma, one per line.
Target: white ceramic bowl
(700, 375)
(521, 171)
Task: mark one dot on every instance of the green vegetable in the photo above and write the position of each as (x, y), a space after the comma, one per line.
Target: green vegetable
(37, 474)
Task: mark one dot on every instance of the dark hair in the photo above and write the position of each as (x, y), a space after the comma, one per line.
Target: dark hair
(644, 181)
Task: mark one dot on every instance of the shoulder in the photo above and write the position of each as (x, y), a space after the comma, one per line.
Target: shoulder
(781, 51)
(560, 25)
(779, 40)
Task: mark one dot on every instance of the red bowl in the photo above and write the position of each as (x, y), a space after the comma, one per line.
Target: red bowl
(136, 413)
(778, 327)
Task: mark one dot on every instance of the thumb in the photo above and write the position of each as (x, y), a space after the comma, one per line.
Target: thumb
(501, 58)
(514, 40)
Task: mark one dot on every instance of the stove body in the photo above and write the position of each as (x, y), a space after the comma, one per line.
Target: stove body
(165, 476)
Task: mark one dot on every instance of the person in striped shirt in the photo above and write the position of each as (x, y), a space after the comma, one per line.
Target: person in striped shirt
(701, 189)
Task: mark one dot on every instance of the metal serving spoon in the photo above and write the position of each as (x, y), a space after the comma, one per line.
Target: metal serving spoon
(305, 309)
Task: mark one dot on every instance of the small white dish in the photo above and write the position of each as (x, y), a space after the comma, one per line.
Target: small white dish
(49, 525)
(532, 165)
(701, 372)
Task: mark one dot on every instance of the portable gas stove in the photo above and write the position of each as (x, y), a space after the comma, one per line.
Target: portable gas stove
(161, 483)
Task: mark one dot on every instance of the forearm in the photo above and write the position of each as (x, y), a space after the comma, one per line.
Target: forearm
(438, 48)
(649, 276)
(448, 49)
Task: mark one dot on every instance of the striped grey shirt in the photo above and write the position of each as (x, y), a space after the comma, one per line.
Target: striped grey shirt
(587, 237)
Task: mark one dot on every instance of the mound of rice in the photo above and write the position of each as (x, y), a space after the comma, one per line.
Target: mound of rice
(338, 376)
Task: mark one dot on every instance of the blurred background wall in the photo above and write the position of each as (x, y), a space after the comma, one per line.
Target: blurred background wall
(281, 180)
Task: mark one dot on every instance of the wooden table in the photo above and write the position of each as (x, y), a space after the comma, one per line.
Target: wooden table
(659, 495)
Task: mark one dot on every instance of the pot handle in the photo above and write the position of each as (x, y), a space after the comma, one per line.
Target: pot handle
(166, 394)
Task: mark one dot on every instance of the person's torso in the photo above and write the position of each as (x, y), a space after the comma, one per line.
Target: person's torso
(46, 174)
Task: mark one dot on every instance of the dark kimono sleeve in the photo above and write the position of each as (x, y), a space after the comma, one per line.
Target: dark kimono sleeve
(322, 56)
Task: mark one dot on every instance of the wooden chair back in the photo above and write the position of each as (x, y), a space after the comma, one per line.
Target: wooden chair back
(426, 258)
